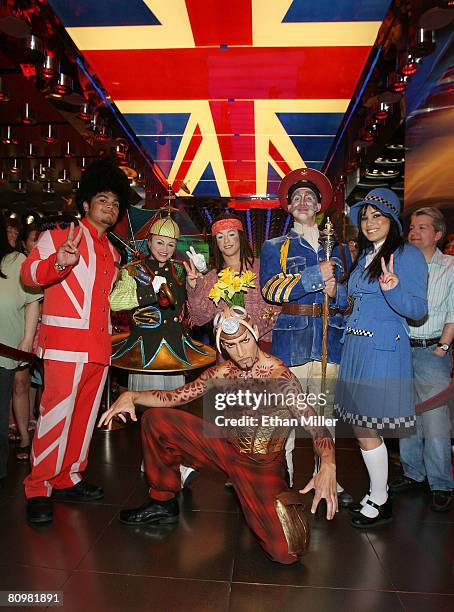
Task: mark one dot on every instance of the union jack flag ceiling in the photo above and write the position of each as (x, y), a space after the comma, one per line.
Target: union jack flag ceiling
(228, 96)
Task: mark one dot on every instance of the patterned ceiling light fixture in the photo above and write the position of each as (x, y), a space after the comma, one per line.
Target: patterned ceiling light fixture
(20, 187)
(382, 112)
(85, 112)
(48, 187)
(28, 116)
(64, 177)
(14, 167)
(30, 151)
(33, 176)
(49, 66)
(83, 164)
(424, 44)
(63, 85)
(49, 134)
(49, 169)
(369, 133)
(120, 151)
(67, 151)
(34, 46)
(410, 65)
(397, 82)
(8, 137)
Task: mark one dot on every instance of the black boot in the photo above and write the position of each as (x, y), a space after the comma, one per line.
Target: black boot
(152, 511)
(385, 515)
(82, 491)
(39, 510)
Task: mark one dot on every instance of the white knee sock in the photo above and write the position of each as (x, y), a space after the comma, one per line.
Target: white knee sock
(376, 461)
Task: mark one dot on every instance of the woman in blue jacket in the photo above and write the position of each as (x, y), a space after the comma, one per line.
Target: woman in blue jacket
(374, 392)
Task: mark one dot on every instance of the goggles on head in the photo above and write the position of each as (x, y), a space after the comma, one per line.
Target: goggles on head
(229, 323)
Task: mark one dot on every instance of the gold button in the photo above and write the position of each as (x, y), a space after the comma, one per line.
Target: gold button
(175, 319)
(165, 321)
(166, 269)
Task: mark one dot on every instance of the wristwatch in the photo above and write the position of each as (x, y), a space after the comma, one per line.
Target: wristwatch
(59, 267)
(444, 347)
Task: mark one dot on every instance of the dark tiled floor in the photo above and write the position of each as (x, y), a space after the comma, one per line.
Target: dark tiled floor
(210, 561)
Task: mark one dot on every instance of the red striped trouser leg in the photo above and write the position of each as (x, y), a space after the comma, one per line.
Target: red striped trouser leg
(257, 485)
(171, 438)
(68, 413)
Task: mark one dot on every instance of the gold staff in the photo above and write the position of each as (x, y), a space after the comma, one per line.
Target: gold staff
(327, 240)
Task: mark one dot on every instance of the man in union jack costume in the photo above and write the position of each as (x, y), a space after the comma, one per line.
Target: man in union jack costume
(77, 266)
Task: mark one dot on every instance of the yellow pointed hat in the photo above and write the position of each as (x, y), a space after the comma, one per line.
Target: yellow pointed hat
(165, 226)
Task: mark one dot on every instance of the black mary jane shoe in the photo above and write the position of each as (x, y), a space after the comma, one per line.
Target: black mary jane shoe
(355, 509)
(39, 510)
(152, 511)
(82, 491)
(385, 515)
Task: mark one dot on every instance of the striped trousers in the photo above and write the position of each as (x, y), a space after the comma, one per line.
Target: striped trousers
(171, 437)
(68, 413)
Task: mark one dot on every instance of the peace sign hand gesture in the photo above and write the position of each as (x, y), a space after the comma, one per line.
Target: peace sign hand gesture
(388, 280)
(68, 254)
(197, 259)
(191, 273)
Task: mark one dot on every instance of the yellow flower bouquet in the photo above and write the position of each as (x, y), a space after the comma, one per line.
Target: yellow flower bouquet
(231, 287)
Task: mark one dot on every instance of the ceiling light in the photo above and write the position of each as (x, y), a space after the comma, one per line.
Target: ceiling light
(49, 134)
(85, 113)
(28, 116)
(64, 177)
(30, 152)
(67, 152)
(424, 43)
(14, 166)
(34, 46)
(64, 84)
(49, 66)
(48, 188)
(382, 111)
(20, 187)
(8, 137)
(34, 176)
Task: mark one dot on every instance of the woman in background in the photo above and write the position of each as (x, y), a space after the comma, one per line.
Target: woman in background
(20, 312)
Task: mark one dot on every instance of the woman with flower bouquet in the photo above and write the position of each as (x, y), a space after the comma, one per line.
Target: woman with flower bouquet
(232, 282)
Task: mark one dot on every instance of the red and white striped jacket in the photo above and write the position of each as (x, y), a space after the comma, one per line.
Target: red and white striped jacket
(76, 313)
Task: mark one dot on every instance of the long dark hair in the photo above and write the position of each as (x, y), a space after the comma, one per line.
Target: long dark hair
(246, 254)
(5, 247)
(393, 242)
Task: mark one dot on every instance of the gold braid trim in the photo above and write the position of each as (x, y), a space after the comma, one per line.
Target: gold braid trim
(284, 254)
(290, 287)
(284, 283)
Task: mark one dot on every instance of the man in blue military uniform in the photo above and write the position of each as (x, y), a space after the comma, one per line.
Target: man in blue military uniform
(294, 272)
